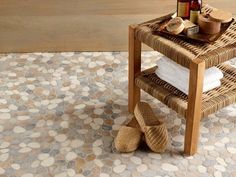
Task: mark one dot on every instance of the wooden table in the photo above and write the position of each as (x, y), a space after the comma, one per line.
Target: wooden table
(197, 58)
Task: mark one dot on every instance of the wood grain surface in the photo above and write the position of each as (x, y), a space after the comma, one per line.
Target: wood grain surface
(78, 25)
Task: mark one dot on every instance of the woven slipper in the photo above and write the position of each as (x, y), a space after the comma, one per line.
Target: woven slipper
(155, 131)
(128, 137)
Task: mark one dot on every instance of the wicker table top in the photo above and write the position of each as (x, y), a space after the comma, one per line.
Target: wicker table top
(183, 52)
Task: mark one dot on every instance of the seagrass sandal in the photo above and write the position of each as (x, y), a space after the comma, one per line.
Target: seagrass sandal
(155, 131)
(128, 137)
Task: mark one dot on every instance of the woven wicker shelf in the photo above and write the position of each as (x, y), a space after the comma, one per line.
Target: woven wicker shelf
(212, 100)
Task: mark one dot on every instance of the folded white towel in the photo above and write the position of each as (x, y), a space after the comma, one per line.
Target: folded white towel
(168, 67)
(184, 86)
(178, 76)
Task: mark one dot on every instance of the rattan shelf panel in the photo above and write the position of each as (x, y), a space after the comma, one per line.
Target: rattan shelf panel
(213, 100)
(183, 51)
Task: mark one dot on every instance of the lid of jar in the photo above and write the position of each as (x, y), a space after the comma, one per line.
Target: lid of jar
(221, 16)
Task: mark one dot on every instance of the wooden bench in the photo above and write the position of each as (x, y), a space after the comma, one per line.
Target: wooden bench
(196, 57)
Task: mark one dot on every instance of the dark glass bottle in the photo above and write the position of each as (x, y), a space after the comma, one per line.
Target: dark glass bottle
(195, 10)
(183, 7)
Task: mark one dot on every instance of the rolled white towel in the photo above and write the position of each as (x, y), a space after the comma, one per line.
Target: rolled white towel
(181, 74)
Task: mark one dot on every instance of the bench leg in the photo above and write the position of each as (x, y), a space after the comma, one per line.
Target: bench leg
(193, 115)
(134, 68)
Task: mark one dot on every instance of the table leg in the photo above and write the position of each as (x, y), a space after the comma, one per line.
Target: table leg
(193, 116)
(134, 67)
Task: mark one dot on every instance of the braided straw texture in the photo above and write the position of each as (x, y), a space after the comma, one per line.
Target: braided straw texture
(156, 137)
(182, 51)
(155, 131)
(134, 123)
(212, 100)
(128, 137)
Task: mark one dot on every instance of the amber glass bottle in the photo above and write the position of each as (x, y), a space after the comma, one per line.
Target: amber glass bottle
(183, 7)
(195, 9)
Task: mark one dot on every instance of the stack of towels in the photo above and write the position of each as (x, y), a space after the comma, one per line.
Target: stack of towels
(178, 76)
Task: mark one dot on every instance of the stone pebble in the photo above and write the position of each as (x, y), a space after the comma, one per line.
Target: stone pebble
(119, 168)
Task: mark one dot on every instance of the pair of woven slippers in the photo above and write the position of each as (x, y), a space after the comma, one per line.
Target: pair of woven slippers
(145, 122)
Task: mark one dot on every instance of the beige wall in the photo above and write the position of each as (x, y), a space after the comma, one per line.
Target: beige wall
(77, 25)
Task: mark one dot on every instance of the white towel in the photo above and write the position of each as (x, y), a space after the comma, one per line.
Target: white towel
(178, 76)
(168, 67)
(184, 86)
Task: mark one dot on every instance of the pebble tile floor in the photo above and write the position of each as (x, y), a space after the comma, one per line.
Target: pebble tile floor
(59, 113)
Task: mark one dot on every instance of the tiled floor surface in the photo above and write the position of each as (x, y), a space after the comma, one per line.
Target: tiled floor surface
(60, 112)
